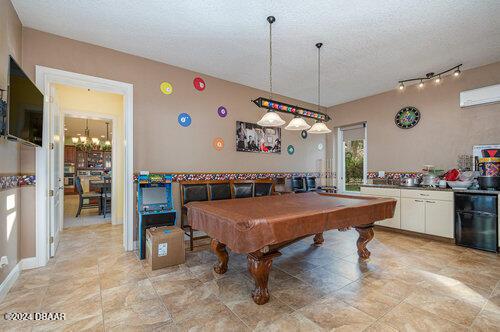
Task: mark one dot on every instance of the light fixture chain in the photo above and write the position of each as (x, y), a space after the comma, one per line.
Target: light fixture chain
(270, 61)
(319, 80)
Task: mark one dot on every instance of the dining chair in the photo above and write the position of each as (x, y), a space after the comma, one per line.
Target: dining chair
(86, 200)
(106, 196)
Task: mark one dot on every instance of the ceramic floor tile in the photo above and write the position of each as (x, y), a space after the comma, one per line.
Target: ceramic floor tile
(332, 314)
(296, 293)
(406, 317)
(445, 306)
(144, 315)
(126, 295)
(408, 284)
(259, 315)
(361, 296)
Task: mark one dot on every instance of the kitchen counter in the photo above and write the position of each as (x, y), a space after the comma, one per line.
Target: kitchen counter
(395, 186)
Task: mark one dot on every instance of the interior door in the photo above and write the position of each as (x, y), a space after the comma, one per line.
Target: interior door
(56, 168)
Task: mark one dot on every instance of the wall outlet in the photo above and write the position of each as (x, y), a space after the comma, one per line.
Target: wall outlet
(4, 261)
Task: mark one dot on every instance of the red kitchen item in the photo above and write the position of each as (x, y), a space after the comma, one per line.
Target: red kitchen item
(452, 175)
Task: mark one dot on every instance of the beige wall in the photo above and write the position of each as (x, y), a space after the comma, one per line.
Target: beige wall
(160, 144)
(95, 103)
(10, 43)
(444, 132)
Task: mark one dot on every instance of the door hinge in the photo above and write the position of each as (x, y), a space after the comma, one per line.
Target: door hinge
(51, 146)
(51, 240)
(51, 193)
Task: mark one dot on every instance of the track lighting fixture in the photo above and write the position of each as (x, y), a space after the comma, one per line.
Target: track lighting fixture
(431, 76)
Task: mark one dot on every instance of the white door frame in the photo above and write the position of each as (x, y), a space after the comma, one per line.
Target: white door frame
(340, 158)
(114, 158)
(44, 78)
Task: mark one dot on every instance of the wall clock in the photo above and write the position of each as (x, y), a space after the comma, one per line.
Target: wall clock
(407, 117)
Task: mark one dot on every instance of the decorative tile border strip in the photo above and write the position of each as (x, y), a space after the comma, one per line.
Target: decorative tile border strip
(237, 176)
(13, 181)
(394, 175)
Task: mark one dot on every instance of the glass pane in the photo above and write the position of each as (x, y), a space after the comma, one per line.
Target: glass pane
(353, 163)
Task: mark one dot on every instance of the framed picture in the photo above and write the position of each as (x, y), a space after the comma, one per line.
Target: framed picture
(251, 137)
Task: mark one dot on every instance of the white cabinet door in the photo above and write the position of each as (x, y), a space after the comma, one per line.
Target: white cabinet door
(394, 222)
(439, 218)
(413, 214)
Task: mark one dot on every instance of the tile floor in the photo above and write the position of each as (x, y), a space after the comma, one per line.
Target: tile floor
(86, 218)
(409, 284)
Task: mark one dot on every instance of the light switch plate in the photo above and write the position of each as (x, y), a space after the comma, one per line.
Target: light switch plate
(4, 261)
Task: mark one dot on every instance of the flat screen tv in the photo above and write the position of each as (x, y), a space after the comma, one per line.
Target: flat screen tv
(25, 108)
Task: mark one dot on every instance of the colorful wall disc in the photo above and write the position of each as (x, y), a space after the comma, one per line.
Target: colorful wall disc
(303, 133)
(199, 83)
(290, 149)
(184, 119)
(218, 144)
(166, 88)
(320, 146)
(222, 111)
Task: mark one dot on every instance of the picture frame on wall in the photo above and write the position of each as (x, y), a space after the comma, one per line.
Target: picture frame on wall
(250, 137)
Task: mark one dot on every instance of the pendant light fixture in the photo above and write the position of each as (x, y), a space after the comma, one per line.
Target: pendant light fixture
(84, 137)
(319, 127)
(271, 118)
(108, 142)
(298, 123)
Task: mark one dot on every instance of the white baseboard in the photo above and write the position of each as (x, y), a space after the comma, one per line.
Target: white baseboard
(29, 263)
(9, 281)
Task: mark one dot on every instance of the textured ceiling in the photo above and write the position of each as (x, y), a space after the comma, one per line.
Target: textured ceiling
(368, 45)
(75, 126)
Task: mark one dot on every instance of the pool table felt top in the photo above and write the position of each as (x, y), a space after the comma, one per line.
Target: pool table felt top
(246, 225)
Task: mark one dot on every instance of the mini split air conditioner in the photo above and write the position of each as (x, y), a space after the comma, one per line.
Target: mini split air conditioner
(487, 95)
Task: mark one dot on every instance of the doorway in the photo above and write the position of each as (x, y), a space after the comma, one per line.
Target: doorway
(88, 171)
(49, 222)
(352, 157)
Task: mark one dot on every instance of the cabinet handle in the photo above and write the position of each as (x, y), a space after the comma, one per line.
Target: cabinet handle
(424, 194)
(430, 202)
(419, 200)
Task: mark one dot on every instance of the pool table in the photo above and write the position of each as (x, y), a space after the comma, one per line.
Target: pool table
(260, 226)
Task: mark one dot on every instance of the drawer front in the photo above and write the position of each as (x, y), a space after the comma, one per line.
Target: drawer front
(427, 194)
(386, 192)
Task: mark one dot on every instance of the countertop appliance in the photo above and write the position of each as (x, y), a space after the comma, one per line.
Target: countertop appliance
(409, 182)
(476, 221)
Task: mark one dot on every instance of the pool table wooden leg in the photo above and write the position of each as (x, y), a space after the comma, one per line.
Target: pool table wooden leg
(365, 236)
(259, 266)
(220, 250)
(318, 239)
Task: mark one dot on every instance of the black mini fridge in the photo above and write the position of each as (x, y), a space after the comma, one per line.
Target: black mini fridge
(476, 221)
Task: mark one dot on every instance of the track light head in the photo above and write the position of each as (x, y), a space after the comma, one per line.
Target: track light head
(438, 79)
(421, 84)
(401, 86)
(457, 72)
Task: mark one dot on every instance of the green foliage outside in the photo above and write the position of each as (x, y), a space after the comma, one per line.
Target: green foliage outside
(354, 154)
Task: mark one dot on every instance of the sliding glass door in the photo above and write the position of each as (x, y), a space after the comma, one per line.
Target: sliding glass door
(352, 161)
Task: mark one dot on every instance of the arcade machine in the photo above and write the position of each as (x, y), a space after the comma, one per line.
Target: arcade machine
(154, 205)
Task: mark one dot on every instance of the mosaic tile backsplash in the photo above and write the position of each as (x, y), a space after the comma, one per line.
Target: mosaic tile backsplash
(13, 181)
(237, 176)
